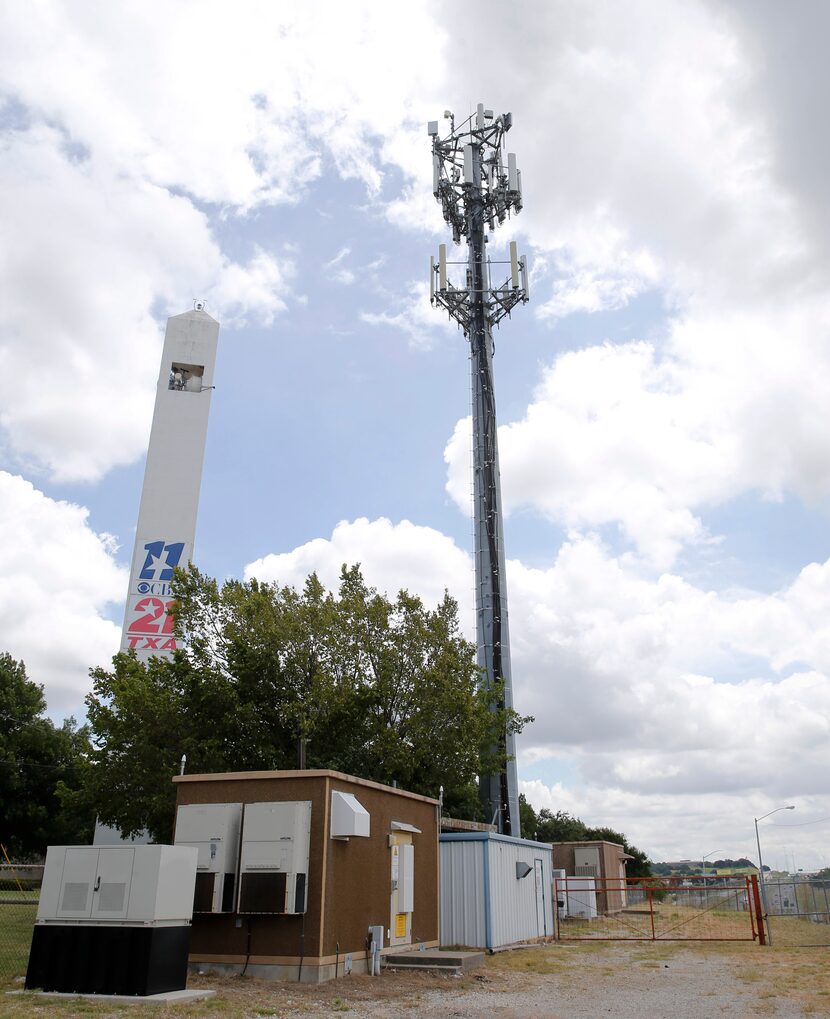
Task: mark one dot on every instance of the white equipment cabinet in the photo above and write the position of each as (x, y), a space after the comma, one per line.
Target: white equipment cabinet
(213, 829)
(150, 885)
(580, 897)
(113, 920)
(273, 863)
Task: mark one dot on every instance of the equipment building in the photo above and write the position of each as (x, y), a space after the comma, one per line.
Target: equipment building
(295, 867)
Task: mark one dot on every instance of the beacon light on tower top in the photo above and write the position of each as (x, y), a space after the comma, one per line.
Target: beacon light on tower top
(478, 186)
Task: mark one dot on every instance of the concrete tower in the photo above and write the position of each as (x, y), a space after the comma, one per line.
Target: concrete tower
(172, 479)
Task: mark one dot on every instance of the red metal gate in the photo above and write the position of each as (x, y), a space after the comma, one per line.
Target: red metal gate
(659, 909)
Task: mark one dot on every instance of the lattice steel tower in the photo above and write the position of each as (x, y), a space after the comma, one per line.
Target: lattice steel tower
(476, 191)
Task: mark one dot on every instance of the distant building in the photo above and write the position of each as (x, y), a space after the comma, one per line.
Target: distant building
(603, 861)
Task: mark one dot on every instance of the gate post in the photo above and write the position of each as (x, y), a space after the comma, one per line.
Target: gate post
(557, 933)
(651, 911)
(756, 899)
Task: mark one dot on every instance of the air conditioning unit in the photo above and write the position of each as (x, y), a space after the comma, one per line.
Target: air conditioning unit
(273, 863)
(213, 829)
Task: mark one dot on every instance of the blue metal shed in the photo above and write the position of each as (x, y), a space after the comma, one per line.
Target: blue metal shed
(495, 890)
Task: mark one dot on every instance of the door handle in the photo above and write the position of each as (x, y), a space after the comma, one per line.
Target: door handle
(97, 883)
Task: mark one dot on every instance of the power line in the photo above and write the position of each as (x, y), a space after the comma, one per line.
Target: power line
(34, 764)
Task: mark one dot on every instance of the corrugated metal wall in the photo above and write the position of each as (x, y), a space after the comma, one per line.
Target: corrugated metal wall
(483, 903)
(462, 894)
(517, 913)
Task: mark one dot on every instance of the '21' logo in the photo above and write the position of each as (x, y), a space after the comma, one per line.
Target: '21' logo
(156, 618)
(153, 629)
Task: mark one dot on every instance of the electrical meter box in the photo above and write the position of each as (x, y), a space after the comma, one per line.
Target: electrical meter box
(273, 862)
(118, 884)
(213, 829)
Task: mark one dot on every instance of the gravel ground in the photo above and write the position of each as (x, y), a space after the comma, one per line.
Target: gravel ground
(585, 981)
(557, 982)
(684, 986)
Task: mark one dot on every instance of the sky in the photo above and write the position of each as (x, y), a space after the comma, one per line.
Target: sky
(662, 399)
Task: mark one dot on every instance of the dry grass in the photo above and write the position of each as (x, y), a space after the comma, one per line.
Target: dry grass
(251, 998)
(771, 976)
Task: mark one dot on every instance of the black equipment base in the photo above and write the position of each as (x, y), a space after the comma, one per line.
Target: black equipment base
(99, 959)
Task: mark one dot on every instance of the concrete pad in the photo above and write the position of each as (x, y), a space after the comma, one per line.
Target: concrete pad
(434, 959)
(165, 998)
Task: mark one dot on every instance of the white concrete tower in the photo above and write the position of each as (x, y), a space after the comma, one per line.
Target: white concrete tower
(172, 479)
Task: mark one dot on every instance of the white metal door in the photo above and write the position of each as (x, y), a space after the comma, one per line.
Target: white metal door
(541, 898)
(403, 888)
(80, 867)
(111, 896)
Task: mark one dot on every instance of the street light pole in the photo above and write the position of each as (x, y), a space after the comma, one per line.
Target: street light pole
(703, 860)
(761, 867)
(703, 875)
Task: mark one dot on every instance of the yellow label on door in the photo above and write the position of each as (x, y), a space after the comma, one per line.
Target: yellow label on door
(400, 925)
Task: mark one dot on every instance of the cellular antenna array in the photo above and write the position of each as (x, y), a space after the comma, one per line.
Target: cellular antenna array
(477, 190)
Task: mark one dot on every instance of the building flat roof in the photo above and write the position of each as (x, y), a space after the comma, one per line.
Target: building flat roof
(245, 776)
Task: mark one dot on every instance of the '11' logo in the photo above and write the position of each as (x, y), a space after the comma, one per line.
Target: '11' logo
(161, 560)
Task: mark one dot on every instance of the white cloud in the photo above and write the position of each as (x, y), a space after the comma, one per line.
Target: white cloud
(669, 827)
(621, 670)
(646, 436)
(587, 291)
(336, 270)
(645, 143)
(255, 290)
(625, 676)
(236, 111)
(128, 128)
(57, 577)
(85, 258)
(392, 556)
(416, 318)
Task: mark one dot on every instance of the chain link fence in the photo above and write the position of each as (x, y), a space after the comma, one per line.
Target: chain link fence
(19, 894)
(798, 911)
(658, 909)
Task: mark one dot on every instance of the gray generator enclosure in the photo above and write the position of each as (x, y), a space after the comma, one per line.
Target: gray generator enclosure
(113, 920)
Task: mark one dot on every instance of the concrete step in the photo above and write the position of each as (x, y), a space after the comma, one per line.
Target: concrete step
(434, 959)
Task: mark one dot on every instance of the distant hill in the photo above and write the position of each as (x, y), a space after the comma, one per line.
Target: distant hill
(684, 867)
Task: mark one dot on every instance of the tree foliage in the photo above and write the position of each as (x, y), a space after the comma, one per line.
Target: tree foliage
(561, 826)
(386, 690)
(38, 762)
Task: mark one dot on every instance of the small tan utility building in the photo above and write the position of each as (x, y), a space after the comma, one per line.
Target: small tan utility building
(295, 867)
(602, 860)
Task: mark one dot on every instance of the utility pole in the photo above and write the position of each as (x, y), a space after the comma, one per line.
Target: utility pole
(476, 191)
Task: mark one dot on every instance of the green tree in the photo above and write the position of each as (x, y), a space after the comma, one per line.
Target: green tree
(639, 866)
(563, 827)
(527, 817)
(38, 761)
(387, 690)
(560, 827)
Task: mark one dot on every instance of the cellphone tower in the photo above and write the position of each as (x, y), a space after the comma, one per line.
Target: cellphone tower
(476, 190)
